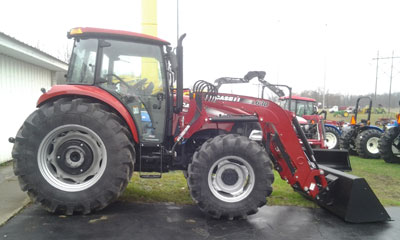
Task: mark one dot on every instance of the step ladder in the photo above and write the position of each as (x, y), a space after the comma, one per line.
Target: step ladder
(155, 156)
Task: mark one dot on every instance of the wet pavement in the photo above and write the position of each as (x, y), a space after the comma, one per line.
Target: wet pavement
(123, 220)
(12, 199)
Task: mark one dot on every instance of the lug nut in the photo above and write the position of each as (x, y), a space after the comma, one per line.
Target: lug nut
(58, 157)
(81, 145)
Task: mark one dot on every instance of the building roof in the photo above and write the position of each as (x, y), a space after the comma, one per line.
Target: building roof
(82, 32)
(14, 48)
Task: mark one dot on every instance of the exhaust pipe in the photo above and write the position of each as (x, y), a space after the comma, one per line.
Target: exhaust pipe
(179, 81)
(350, 198)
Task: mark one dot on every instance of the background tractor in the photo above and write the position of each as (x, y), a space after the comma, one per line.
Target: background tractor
(320, 132)
(124, 108)
(361, 138)
(341, 113)
(389, 143)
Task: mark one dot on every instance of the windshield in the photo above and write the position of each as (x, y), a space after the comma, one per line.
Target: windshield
(83, 59)
(285, 105)
(130, 64)
(304, 108)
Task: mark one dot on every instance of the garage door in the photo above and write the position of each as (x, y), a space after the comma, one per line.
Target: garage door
(20, 85)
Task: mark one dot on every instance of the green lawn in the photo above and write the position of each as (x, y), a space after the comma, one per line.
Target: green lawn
(383, 178)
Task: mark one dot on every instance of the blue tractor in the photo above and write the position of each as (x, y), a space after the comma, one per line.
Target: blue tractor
(389, 144)
(361, 138)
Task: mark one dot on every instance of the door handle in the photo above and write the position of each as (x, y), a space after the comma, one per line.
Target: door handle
(160, 98)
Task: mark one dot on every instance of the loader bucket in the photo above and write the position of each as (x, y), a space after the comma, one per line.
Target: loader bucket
(350, 198)
(333, 158)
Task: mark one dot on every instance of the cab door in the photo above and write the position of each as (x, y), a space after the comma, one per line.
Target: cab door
(134, 72)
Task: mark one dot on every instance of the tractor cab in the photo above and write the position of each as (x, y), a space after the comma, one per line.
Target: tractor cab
(306, 112)
(132, 71)
(299, 105)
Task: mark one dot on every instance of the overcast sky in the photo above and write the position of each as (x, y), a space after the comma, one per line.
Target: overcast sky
(298, 43)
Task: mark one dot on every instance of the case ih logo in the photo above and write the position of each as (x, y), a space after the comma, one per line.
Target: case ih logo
(228, 98)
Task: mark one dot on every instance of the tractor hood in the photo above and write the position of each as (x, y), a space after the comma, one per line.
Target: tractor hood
(301, 120)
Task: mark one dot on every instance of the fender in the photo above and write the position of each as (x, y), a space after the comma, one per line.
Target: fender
(333, 126)
(93, 92)
(372, 127)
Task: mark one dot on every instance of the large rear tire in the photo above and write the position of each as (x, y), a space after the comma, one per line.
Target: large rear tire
(389, 145)
(347, 142)
(331, 137)
(73, 156)
(367, 143)
(230, 177)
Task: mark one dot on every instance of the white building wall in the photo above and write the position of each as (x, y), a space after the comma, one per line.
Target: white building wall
(20, 85)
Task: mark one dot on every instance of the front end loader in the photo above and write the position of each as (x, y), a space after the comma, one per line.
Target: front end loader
(124, 109)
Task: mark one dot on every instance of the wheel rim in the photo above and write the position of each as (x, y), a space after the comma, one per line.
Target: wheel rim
(372, 145)
(72, 158)
(231, 179)
(331, 140)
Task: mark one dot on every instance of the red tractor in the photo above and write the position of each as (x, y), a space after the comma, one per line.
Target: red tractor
(320, 132)
(121, 111)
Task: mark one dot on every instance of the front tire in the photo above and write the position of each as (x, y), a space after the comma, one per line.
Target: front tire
(347, 142)
(367, 143)
(230, 177)
(389, 145)
(73, 156)
(332, 137)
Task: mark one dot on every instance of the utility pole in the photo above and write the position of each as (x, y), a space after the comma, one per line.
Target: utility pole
(376, 80)
(177, 21)
(391, 74)
(323, 94)
(390, 85)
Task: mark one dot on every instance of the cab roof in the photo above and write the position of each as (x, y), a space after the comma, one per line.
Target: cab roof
(89, 32)
(294, 97)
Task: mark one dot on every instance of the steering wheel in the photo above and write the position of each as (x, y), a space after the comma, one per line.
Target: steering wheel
(138, 86)
(135, 89)
(119, 79)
